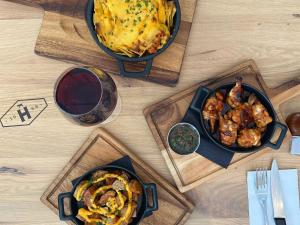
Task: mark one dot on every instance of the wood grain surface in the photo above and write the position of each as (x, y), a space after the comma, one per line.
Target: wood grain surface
(102, 148)
(192, 170)
(223, 34)
(64, 35)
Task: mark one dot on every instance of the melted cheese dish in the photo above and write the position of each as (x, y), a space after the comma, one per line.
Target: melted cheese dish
(108, 198)
(134, 27)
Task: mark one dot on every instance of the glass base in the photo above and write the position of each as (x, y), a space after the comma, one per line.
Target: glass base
(114, 114)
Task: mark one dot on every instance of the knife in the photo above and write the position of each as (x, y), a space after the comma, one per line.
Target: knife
(277, 197)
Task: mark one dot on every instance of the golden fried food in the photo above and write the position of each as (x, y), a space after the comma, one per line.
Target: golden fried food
(259, 112)
(234, 98)
(212, 106)
(134, 27)
(248, 138)
(109, 198)
(242, 115)
(228, 131)
(240, 122)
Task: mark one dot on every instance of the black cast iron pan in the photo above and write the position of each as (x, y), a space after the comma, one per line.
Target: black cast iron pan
(121, 59)
(198, 105)
(144, 208)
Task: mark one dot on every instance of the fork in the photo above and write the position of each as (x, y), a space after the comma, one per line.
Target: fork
(262, 191)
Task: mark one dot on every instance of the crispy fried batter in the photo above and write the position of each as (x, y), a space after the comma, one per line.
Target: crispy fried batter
(260, 113)
(234, 98)
(228, 131)
(248, 138)
(240, 122)
(212, 106)
(242, 115)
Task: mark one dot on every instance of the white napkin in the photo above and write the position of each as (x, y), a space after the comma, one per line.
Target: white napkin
(290, 189)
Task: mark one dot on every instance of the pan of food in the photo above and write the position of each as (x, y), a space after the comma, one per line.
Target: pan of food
(108, 195)
(238, 118)
(133, 30)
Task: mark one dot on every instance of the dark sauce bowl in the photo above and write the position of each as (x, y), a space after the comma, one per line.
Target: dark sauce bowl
(182, 151)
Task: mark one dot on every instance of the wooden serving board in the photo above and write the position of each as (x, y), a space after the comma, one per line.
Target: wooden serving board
(102, 148)
(192, 170)
(64, 35)
(287, 102)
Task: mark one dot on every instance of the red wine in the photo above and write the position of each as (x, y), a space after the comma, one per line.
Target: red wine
(79, 91)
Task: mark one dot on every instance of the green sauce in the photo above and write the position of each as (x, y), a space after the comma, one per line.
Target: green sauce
(183, 139)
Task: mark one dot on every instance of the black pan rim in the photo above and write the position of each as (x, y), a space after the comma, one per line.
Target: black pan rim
(86, 175)
(239, 150)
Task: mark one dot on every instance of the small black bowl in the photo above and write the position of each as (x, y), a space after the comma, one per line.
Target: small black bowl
(198, 105)
(143, 209)
(121, 59)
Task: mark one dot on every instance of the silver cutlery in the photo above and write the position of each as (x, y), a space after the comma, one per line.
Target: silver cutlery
(262, 191)
(277, 197)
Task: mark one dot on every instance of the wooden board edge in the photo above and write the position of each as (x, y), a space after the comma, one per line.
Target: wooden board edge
(283, 97)
(159, 179)
(244, 64)
(169, 83)
(33, 4)
(108, 137)
(168, 161)
(222, 171)
(286, 95)
(148, 110)
(185, 218)
(67, 167)
(38, 50)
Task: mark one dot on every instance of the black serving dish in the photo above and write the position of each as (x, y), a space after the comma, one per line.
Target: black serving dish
(198, 105)
(121, 59)
(144, 208)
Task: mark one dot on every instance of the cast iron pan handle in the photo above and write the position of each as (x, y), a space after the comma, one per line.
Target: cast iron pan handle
(61, 206)
(154, 207)
(199, 97)
(144, 73)
(280, 221)
(280, 138)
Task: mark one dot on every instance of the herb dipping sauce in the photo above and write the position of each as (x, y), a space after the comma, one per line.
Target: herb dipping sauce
(184, 138)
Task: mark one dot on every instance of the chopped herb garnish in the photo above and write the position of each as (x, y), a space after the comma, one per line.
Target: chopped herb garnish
(183, 139)
(127, 1)
(139, 5)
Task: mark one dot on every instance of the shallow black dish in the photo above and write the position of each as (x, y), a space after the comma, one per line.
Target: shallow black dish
(121, 59)
(143, 210)
(198, 105)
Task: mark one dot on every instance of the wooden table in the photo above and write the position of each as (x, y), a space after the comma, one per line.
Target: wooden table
(224, 33)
